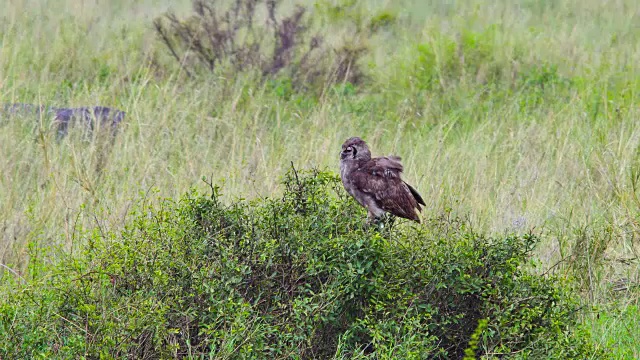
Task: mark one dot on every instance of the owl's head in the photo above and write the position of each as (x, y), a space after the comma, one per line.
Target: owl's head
(355, 149)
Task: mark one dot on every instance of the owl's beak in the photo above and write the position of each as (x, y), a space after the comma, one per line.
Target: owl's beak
(343, 155)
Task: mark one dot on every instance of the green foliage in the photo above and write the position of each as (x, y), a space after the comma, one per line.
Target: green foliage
(470, 352)
(618, 327)
(472, 58)
(297, 276)
(340, 12)
(383, 19)
(445, 61)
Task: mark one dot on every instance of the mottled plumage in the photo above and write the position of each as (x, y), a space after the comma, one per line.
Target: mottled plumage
(375, 182)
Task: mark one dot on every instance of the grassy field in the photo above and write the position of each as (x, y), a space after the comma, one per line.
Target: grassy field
(518, 115)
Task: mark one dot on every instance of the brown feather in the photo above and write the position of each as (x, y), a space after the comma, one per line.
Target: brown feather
(417, 196)
(390, 192)
(376, 183)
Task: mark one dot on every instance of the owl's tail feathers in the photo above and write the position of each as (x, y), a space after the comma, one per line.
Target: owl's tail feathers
(417, 196)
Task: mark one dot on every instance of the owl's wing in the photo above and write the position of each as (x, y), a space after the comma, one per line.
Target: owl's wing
(393, 166)
(380, 178)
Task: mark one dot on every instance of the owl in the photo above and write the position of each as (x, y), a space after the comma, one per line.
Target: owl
(375, 182)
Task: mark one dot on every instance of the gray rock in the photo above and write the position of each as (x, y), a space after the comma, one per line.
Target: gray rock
(88, 118)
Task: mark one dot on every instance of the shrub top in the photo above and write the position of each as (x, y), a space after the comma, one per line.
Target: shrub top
(298, 276)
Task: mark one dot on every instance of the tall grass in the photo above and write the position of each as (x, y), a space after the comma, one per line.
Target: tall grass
(519, 114)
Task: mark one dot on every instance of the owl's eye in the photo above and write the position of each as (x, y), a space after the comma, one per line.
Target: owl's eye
(350, 148)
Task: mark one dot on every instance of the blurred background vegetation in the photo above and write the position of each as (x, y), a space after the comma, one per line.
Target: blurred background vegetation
(518, 116)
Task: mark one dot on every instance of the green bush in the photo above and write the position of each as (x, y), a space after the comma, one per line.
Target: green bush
(446, 61)
(299, 276)
(468, 73)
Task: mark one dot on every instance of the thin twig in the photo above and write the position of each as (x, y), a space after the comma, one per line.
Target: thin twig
(14, 272)
(165, 38)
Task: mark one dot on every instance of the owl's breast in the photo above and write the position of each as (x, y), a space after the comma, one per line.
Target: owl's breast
(345, 172)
